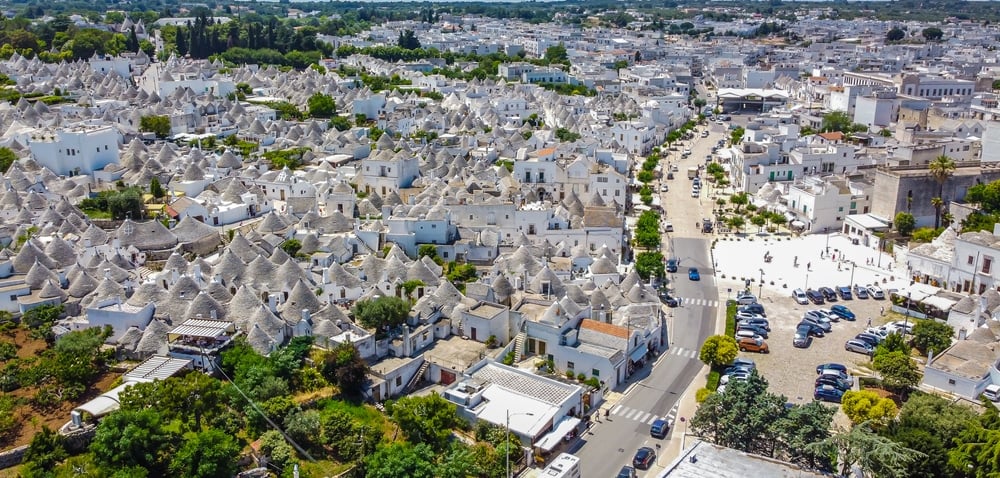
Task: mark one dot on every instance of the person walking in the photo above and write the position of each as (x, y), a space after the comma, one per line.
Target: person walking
(809, 266)
(881, 310)
(869, 322)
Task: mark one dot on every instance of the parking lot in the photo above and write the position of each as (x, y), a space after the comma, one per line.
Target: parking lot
(791, 371)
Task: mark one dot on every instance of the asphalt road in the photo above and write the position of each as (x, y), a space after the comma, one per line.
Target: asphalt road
(612, 442)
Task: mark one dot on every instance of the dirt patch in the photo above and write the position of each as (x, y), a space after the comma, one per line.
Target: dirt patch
(32, 418)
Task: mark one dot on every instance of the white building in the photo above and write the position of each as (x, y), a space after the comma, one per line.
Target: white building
(77, 149)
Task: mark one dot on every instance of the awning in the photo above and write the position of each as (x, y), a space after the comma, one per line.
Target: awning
(638, 354)
(551, 439)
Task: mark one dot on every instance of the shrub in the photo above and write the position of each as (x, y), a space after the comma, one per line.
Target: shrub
(702, 394)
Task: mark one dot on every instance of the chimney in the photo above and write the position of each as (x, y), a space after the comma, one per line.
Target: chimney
(272, 302)
(326, 275)
(174, 275)
(306, 316)
(107, 273)
(197, 272)
(213, 314)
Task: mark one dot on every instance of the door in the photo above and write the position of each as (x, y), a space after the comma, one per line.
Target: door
(447, 378)
(474, 334)
(541, 348)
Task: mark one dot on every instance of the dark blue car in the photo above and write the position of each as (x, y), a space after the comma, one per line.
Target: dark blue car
(842, 312)
(828, 393)
(671, 265)
(660, 428)
(693, 274)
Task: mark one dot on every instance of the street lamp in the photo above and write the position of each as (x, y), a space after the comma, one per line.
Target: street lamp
(507, 438)
(906, 321)
(760, 293)
(853, 265)
(807, 281)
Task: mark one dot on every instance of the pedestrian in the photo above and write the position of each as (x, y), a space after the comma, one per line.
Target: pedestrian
(809, 266)
(834, 256)
(869, 322)
(881, 310)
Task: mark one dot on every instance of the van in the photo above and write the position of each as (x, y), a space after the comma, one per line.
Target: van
(992, 393)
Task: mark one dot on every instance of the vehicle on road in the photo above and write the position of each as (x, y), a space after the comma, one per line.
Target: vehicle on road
(626, 472)
(664, 188)
(692, 172)
(671, 265)
(859, 346)
(828, 393)
(668, 299)
(660, 428)
(828, 294)
(644, 457)
(844, 292)
(695, 192)
(815, 296)
(687, 151)
(763, 323)
(876, 292)
(670, 175)
(800, 296)
(860, 292)
(814, 329)
(802, 339)
(830, 366)
(747, 344)
(843, 312)
(668, 227)
(693, 274)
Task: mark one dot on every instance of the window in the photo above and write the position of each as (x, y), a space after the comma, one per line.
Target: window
(445, 254)
(399, 381)
(969, 262)
(570, 366)
(595, 372)
(951, 381)
(602, 179)
(987, 264)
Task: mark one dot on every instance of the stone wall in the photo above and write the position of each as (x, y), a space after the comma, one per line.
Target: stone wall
(75, 442)
(12, 457)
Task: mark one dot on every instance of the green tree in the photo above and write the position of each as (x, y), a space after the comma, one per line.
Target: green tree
(126, 438)
(941, 168)
(381, 313)
(46, 451)
(155, 188)
(741, 418)
(836, 121)
(557, 54)
(899, 372)
(737, 223)
(344, 366)
(425, 419)
(428, 250)
(291, 246)
(461, 273)
(649, 264)
(718, 350)
(800, 426)
(7, 158)
(276, 449)
(905, 222)
(894, 35)
(867, 406)
(341, 123)
(206, 454)
(932, 33)
(42, 317)
(875, 455)
(739, 200)
(158, 125)
(400, 459)
(736, 136)
(321, 106)
(892, 343)
(931, 336)
(304, 426)
(408, 40)
(125, 204)
(188, 399)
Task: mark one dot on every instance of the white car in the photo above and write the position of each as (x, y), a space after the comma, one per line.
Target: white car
(800, 296)
(695, 193)
(876, 292)
(687, 151)
(664, 188)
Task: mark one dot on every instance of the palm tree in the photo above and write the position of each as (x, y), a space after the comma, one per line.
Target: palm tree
(937, 202)
(942, 167)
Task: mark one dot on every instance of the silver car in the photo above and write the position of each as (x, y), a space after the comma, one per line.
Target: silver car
(821, 323)
(876, 292)
(859, 347)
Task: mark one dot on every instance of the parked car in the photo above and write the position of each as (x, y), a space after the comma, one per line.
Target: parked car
(823, 323)
(756, 329)
(859, 346)
(671, 265)
(992, 393)
(745, 298)
(876, 292)
(870, 339)
(753, 308)
(660, 428)
(843, 312)
(664, 188)
(693, 274)
(643, 458)
(828, 294)
(830, 366)
(838, 382)
(803, 338)
(827, 393)
(748, 316)
(844, 292)
(841, 374)
(899, 327)
(829, 314)
(743, 333)
(748, 344)
(860, 292)
(737, 374)
(800, 296)
(816, 314)
(695, 192)
(626, 472)
(879, 332)
(758, 322)
(815, 296)
(814, 329)
(746, 363)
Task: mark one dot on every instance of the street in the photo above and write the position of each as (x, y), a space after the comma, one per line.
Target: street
(657, 388)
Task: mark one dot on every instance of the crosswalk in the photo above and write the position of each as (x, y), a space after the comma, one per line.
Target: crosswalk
(685, 302)
(683, 352)
(641, 416)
